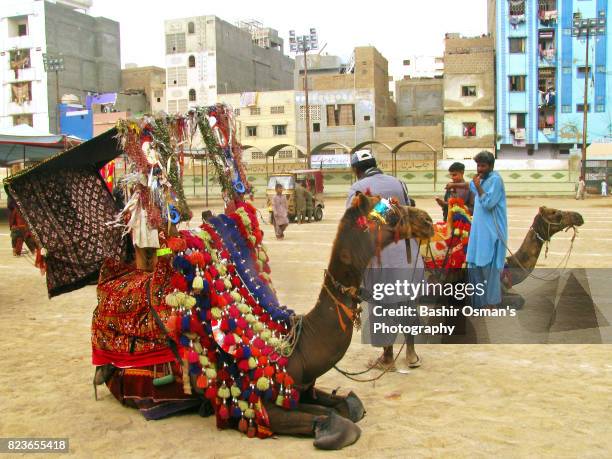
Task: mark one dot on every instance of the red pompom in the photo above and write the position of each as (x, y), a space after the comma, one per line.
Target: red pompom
(262, 360)
(213, 271)
(258, 373)
(223, 412)
(211, 392)
(269, 371)
(243, 365)
(234, 312)
(229, 340)
(176, 244)
(197, 259)
(236, 281)
(178, 282)
(219, 285)
(225, 325)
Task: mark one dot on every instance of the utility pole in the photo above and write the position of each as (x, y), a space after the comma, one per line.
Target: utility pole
(585, 28)
(303, 44)
(55, 64)
(307, 109)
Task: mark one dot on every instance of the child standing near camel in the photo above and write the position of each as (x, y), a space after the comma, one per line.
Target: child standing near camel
(280, 211)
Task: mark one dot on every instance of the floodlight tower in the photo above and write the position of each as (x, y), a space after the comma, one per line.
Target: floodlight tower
(303, 44)
(55, 64)
(587, 28)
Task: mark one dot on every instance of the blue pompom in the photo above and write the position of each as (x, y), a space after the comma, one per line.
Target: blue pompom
(246, 352)
(184, 341)
(268, 395)
(194, 369)
(185, 323)
(232, 324)
(236, 412)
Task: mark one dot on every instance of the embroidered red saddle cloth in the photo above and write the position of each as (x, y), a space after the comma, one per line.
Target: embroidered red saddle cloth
(124, 331)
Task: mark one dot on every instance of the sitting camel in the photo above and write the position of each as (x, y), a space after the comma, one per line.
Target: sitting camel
(326, 331)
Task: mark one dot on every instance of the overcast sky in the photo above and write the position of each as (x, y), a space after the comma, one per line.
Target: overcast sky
(399, 29)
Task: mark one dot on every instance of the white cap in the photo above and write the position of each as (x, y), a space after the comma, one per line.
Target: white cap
(360, 156)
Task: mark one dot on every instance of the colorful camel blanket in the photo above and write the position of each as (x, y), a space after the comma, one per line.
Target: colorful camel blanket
(448, 246)
(215, 299)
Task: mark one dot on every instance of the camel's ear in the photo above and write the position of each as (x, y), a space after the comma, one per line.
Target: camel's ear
(345, 256)
(542, 209)
(361, 202)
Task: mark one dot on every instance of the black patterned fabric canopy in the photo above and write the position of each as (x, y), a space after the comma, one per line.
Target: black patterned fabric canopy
(67, 205)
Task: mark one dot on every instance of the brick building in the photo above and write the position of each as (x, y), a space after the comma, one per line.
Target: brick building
(469, 96)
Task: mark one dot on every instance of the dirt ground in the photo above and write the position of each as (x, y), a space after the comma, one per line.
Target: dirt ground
(465, 401)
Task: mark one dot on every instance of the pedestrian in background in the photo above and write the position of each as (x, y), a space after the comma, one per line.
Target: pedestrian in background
(604, 188)
(300, 203)
(280, 211)
(581, 189)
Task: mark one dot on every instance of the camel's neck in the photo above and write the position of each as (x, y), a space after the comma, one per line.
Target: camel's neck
(324, 339)
(526, 257)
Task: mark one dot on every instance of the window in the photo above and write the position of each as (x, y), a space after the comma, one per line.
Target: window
(566, 109)
(517, 7)
(23, 119)
(191, 61)
(17, 26)
(517, 45)
(517, 121)
(257, 155)
(600, 108)
(192, 95)
(517, 83)
(176, 76)
(285, 154)
(406, 62)
(255, 111)
(341, 115)
(468, 91)
(366, 118)
(580, 108)
(278, 109)
(582, 70)
(251, 131)
(469, 129)
(313, 110)
(175, 43)
(237, 112)
(190, 27)
(567, 70)
(600, 69)
(19, 59)
(21, 92)
(316, 127)
(280, 129)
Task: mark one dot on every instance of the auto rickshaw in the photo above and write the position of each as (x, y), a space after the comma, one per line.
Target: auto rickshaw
(311, 179)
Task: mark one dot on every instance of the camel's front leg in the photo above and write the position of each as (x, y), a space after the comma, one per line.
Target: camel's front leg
(330, 430)
(348, 406)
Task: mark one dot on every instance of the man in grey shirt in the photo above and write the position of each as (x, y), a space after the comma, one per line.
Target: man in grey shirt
(393, 259)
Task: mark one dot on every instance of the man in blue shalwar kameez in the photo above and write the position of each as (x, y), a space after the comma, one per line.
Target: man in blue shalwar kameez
(486, 254)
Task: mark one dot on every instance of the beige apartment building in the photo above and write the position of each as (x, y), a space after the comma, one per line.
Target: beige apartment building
(264, 120)
(150, 80)
(469, 96)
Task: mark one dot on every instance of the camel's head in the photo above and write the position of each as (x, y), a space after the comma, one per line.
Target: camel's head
(371, 223)
(550, 221)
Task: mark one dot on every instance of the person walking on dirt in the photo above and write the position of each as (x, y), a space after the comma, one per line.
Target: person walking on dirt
(280, 211)
(581, 189)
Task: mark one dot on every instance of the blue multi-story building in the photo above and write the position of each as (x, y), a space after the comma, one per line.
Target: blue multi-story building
(540, 71)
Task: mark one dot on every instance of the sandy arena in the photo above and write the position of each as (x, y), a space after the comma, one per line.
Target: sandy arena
(465, 401)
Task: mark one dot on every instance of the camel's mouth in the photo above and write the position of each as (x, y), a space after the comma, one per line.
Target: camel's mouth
(421, 224)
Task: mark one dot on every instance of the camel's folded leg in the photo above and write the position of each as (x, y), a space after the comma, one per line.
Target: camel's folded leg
(348, 406)
(331, 431)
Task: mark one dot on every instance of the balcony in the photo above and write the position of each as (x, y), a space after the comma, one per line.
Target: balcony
(516, 9)
(547, 48)
(547, 13)
(27, 74)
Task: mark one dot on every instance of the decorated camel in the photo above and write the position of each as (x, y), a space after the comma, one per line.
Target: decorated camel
(275, 392)
(448, 246)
